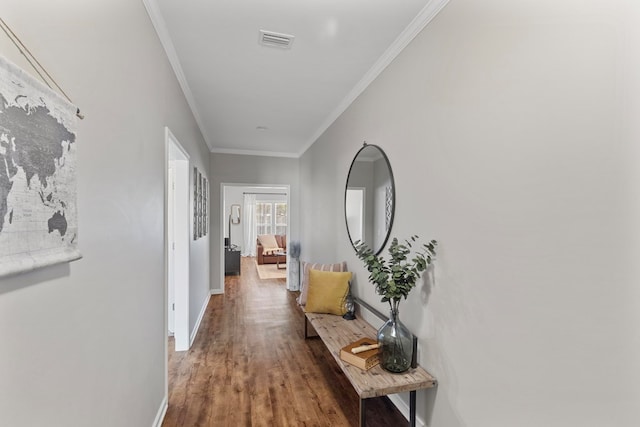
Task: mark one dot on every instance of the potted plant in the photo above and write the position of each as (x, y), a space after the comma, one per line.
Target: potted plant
(394, 279)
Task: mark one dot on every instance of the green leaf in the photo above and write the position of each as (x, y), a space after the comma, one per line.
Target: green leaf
(396, 276)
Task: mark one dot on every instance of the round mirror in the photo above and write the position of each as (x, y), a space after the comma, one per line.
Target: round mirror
(369, 198)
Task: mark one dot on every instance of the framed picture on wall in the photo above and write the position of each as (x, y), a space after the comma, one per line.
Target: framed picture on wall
(200, 205)
(388, 207)
(195, 204)
(205, 206)
(200, 233)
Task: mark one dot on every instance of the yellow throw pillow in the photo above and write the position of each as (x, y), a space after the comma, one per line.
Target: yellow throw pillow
(327, 292)
(308, 266)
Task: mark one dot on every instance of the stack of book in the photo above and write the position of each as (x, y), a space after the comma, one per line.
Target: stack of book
(364, 353)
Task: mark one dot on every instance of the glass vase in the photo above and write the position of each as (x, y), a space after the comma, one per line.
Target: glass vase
(396, 342)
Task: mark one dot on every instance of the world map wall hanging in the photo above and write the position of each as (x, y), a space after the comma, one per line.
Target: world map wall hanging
(38, 212)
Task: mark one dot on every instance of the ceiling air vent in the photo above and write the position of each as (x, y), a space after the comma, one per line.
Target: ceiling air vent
(269, 38)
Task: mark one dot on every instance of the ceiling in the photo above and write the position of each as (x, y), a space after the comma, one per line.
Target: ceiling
(254, 99)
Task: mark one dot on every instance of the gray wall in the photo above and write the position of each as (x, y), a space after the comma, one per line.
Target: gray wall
(84, 343)
(242, 169)
(512, 131)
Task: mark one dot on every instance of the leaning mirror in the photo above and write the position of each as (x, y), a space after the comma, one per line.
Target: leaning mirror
(235, 214)
(369, 198)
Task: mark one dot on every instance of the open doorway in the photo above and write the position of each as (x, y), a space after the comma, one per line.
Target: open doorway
(178, 239)
(355, 213)
(264, 209)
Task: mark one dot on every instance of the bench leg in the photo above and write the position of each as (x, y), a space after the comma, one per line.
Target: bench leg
(305, 328)
(412, 409)
(362, 413)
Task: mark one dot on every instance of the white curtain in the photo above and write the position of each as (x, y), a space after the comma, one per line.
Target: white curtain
(249, 247)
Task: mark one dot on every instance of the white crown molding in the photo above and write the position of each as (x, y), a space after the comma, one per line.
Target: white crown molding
(254, 153)
(161, 29)
(425, 16)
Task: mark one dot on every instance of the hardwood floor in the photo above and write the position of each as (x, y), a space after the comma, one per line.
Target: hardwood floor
(251, 366)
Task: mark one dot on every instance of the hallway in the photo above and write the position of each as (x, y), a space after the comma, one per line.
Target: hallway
(251, 366)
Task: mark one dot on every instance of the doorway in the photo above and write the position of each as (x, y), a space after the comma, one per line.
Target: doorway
(233, 194)
(355, 211)
(177, 241)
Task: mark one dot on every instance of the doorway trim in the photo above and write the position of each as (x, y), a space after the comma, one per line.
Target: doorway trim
(223, 218)
(177, 247)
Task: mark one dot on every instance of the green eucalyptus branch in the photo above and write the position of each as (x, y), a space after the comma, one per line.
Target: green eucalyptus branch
(394, 278)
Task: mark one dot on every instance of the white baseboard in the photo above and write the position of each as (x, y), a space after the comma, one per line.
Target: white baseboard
(404, 408)
(217, 292)
(162, 411)
(200, 316)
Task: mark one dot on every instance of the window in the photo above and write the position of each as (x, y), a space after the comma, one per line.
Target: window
(281, 218)
(264, 218)
(271, 218)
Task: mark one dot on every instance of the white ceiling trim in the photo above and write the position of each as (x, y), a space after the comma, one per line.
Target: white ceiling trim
(161, 29)
(425, 16)
(254, 153)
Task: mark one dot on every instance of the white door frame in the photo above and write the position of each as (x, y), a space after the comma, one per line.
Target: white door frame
(178, 158)
(171, 185)
(223, 218)
(362, 206)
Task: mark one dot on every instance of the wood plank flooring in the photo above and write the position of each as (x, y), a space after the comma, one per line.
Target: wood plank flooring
(251, 366)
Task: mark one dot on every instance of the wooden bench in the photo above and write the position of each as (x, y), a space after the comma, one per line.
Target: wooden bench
(336, 333)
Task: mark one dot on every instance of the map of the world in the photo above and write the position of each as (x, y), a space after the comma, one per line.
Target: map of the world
(38, 217)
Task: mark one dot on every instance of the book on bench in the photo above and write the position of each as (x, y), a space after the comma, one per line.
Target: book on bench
(364, 360)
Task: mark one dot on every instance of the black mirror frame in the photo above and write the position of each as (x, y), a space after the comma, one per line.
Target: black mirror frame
(393, 195)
